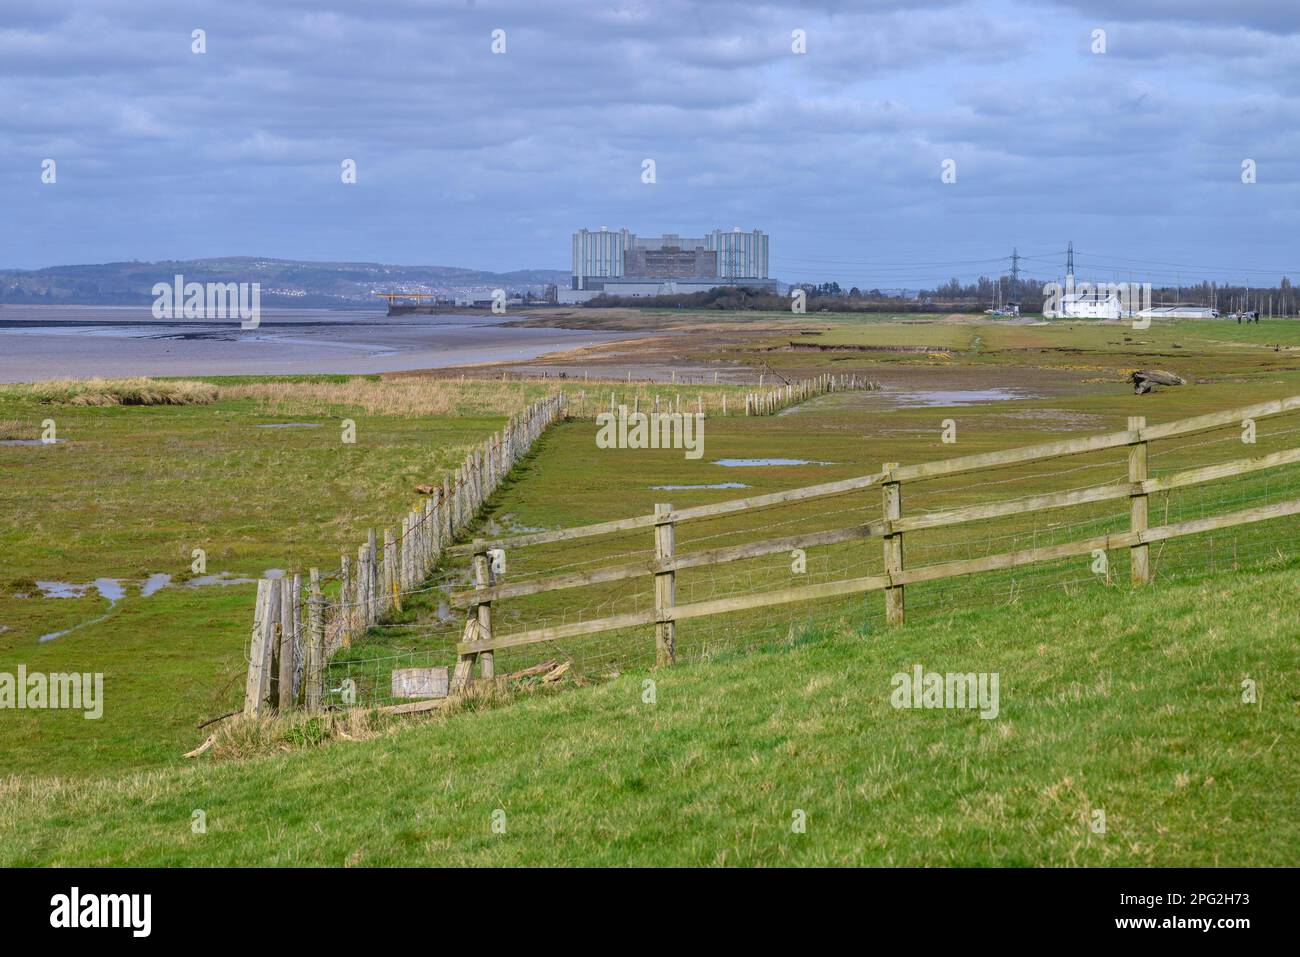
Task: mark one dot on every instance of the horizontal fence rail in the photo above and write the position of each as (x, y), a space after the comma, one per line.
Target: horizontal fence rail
(891, 529)
(953, 466)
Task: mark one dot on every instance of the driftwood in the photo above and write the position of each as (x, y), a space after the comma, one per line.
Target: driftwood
(221, 717)
(202, 748)
(558, 673)
(1145, 380)
(541, 669)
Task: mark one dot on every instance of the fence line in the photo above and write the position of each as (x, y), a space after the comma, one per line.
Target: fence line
(891, 528)
(287, 660)
(641, 396)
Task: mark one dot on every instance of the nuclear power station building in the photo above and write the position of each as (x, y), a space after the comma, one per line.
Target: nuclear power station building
(621, 263)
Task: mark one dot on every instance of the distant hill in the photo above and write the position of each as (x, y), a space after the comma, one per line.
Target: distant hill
(285, 282)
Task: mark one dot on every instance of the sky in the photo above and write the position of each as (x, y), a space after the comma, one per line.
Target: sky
(490, 159)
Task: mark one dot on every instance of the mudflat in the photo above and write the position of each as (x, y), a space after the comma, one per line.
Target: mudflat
(59, 342)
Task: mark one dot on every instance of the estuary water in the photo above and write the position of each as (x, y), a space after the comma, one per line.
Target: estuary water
(77, 342)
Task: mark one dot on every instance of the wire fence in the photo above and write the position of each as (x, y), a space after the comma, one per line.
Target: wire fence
(432, 618)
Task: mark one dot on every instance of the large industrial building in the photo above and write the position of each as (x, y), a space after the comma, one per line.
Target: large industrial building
(621, 263)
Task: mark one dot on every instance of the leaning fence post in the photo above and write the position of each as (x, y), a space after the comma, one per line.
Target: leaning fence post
(665, 588)
(1139, 558)
(482, 580)
(314, 667)
(892, 503)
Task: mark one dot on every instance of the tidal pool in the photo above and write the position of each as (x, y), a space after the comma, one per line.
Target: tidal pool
(675, 488)
(752, 463)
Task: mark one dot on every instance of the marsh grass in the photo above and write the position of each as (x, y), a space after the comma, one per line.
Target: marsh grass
(399, 396)
(106, 392)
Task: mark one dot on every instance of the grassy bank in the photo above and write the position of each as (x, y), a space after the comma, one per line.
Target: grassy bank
(130, 489)
(1122, 702)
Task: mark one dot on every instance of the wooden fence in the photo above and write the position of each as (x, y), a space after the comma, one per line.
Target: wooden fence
(891, 528)
(288, 655)
(641, 396)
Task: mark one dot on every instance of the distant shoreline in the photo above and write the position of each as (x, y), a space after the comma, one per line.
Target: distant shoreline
(77, 342)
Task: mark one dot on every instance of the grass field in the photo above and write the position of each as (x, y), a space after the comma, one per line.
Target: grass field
(1129, 704)
(1126, 702)
(130, 490)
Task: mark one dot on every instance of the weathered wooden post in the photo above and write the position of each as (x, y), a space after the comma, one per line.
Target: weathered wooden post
(892, 504)
(372, 578)
(444, 504)
(258, 652)
(482, 580)
(284, 649)
(347, 609)
(314, 668)
(297, 637)
(665, 588)
(430, 536)
(1139, 557)
(391, 586)
(362, 585)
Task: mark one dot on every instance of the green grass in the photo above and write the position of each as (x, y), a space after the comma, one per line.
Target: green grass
(1124, 702)
(131, 490)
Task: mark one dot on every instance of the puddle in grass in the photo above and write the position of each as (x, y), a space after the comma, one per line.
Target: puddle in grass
(752, 463)
(153, 583)
(110, 588)
(225, 578)
(906, 399)
(29, 441)
(114, 590)
(942, 397)
(677, 488)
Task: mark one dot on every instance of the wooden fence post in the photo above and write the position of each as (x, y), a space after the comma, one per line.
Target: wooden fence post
(314, 667)
(444, 503)
(372, 578)
(284, 648)
(298, 655)
(257, 651)
(665, 587)
(1139, 557)
(391, 584)
(347, 610)
(483, 579)
(362, 610)
(892, 503)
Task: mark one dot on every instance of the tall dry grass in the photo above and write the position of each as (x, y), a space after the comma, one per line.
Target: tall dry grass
(401, 396)
(103, 392)
(242, 737)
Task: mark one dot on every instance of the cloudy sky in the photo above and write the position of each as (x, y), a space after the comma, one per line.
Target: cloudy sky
(490, 160)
